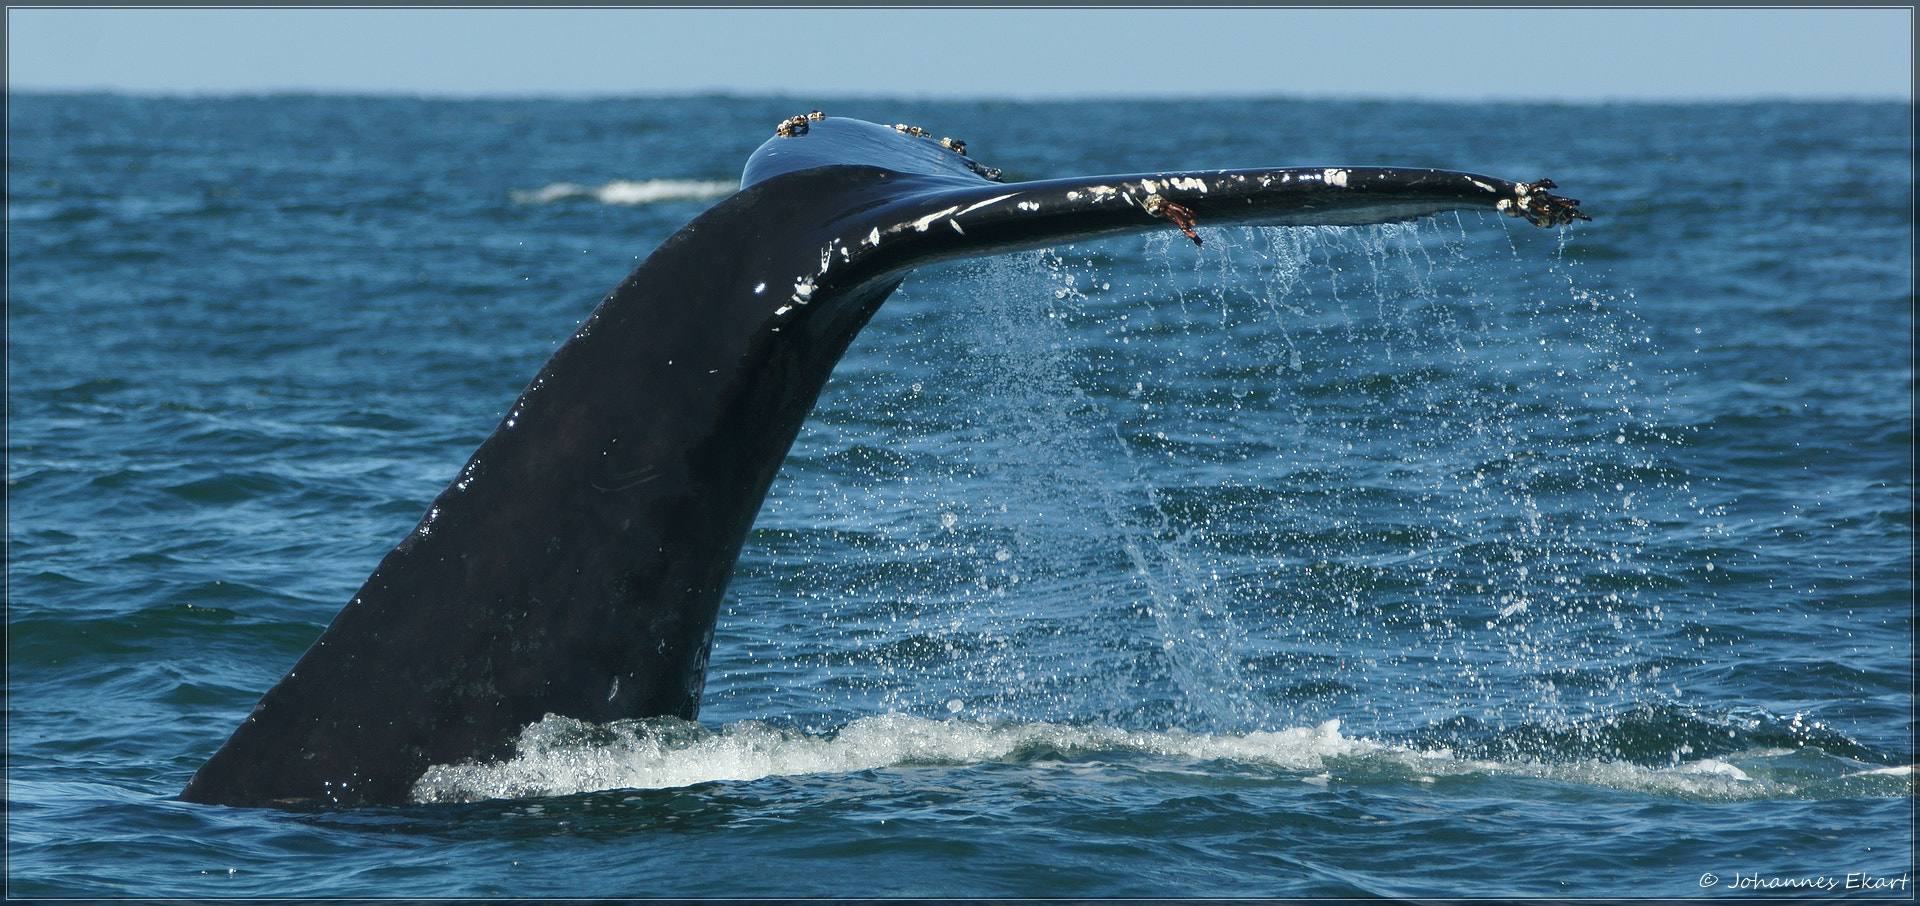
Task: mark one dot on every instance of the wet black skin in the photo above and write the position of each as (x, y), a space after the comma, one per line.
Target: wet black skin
(576, 565)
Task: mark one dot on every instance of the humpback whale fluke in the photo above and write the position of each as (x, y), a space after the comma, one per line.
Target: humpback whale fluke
(576, 563)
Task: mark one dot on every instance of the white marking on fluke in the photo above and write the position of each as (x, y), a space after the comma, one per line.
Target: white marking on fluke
(928, 220)
(981, 204)
(802, 290)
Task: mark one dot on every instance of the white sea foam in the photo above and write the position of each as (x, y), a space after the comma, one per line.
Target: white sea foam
(561, 756)
(1899, 770)
(1707, 778)
(629, 192)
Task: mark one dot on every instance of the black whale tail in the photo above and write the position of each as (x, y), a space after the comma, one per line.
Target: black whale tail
(576, 564)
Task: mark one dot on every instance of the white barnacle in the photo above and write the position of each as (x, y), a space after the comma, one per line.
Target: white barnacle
(782, 310)
(802, 290)
(1148, 186)
(1335, 177)
(873, 238)
(1191, 184)
(1028, 206)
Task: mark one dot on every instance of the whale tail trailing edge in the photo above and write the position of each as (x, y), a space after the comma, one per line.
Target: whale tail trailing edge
(576, 564)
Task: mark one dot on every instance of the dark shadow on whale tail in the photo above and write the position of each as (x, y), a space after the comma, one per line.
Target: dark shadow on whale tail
(576, 564)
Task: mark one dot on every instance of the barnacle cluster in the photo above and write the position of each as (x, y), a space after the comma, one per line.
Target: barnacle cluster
(1541, 208)
(797, 125)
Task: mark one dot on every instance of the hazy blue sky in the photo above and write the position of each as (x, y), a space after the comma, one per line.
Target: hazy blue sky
(1580, 54)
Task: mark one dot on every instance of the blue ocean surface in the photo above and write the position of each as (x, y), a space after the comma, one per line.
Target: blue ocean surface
(1452, 558)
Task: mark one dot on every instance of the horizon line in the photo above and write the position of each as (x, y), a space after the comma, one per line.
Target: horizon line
(945, 97)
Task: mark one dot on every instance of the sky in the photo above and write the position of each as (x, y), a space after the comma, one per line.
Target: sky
(1589, 54)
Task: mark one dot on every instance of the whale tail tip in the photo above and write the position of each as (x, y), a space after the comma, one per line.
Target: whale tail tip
(1541, 208)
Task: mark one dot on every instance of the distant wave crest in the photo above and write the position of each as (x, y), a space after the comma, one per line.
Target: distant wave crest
(625, 191)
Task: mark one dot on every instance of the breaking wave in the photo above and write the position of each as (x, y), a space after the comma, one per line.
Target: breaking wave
(629, 192)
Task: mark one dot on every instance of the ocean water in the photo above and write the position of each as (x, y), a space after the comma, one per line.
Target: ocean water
(1448, 558)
